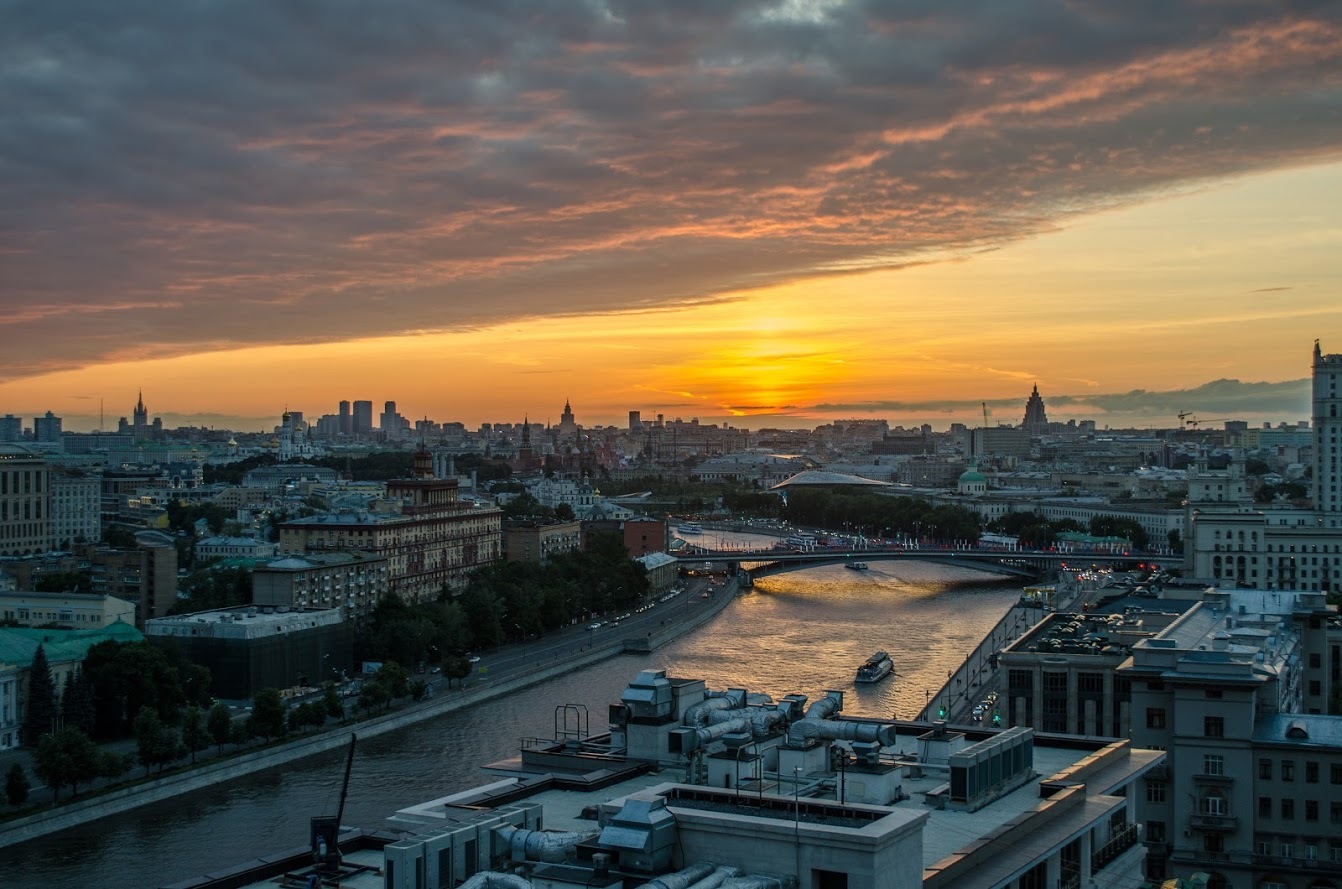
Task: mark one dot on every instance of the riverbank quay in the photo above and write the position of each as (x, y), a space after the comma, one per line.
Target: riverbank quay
(536, 662)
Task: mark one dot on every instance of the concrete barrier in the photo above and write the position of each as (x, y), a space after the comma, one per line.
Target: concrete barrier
(81, 812)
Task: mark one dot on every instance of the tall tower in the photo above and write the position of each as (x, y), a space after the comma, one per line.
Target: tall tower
(140, 425)
(1327, 438)
(1036, 419)
(346, 425)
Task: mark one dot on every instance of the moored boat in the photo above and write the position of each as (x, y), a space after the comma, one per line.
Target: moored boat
(855, 566)
(690, 528)
(877, 667)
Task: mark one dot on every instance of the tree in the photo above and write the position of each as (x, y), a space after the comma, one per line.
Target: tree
(112, 765)
(40, 716)
(77, 702)
(373, 696)
(268, 713)
(156, 743)
(331, 701)
(417, 689)
(220, 724)
(64, 582)
(195, 737)
(17, 786)
(51, 764)
(395, 677)
(66, 757)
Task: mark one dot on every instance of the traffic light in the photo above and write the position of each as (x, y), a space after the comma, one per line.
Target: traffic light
(941, 711)
(997, 717)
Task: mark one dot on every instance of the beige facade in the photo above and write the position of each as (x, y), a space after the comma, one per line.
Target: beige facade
(431, 540)
(76, 611)
(351, 581)
(75, 509)
(535, 542)
(25, 518)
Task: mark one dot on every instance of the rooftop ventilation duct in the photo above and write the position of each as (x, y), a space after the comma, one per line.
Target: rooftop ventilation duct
(681, 879)
(521, 844)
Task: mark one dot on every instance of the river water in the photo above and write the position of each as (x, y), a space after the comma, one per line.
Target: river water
(804, 631)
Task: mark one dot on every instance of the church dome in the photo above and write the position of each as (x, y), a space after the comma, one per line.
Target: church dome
(972, 475)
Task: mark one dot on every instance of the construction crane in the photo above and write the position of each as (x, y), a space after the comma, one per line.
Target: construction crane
(1192, 420)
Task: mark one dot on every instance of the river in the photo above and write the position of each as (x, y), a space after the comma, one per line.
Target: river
(804, 631)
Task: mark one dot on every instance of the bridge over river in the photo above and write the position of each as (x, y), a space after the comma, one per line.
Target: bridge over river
(1023, 563)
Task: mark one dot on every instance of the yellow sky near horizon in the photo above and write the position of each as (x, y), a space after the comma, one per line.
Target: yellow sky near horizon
(1234, 279)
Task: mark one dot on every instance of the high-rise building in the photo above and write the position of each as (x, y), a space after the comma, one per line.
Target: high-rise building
(362, 421)
(11, 428)
(346, 424)
(635, 421)
(25, 521)
(1327, 432)
(390, 421)
(140, 423)
(1036, 418)
(47, 428)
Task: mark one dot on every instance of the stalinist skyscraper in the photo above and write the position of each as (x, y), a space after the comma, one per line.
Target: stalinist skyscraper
(140, 426)
(1036, 419)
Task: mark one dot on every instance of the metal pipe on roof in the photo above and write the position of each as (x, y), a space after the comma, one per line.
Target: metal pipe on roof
(682, 879)
(524, 844)
(834, 730)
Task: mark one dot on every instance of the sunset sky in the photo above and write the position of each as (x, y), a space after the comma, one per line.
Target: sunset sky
(769, 213)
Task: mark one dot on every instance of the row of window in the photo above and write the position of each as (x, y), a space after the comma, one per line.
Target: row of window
(1287, 809)
(1287, 770)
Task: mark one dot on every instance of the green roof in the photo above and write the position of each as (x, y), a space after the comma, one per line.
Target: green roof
(18, 645)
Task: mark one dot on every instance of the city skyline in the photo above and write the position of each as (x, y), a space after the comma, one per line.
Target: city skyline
(762, 213)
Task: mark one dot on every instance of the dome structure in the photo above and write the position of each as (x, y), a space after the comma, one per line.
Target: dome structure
(972, 483)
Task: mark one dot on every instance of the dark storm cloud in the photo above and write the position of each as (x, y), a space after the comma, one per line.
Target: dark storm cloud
(180, 176)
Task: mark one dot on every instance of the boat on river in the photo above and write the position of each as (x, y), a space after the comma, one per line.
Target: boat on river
(690, 528)
(856, 566)
(877, 667)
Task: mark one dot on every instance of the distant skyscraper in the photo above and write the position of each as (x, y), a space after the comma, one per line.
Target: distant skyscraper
(346, 425)
(140, 423)
(1036, 419)
(635, 421)
(1327, 433)
(11, 428)
(363, 418)
(47, 428)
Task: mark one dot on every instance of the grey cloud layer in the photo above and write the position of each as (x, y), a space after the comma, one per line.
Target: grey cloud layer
(1211, 402)
(193, 175)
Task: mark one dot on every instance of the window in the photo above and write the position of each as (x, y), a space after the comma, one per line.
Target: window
(1213, 727)
(1214, 804)
(1213, 764)
(1335, 773)
(1213, 842)
(1155, 831)
(1287, 850)
(1311, 773)
(1155, 717)
(1264, 847)
(1265, 807)
(1265, 769)
(1288, 770)
(1335, 813)
(1311, 810)
(1155, 791)
(1288, 810)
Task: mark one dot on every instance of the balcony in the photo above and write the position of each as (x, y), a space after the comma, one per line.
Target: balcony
(1212, 822)
(1214, 780)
